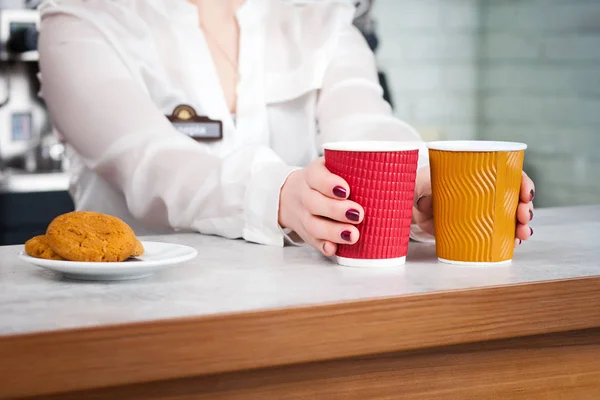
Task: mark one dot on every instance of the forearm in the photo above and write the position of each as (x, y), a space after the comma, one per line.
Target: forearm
(107, 117)
(351, 106)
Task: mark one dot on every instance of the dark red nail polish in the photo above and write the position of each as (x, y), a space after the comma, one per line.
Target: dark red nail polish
(353, 215)
(520, 241)
(530, 215)
(532, 193)
(346, 235)
(340, 192)
(530, 231)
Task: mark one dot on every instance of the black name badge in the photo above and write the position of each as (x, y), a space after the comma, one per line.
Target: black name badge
(201, 129)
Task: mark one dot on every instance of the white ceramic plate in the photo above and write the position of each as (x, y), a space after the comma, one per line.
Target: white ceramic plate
(157, 256)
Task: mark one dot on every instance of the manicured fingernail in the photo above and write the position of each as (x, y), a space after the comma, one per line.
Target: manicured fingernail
(520, 241)
(346, 235)
(530, 231)
(530, 215)
(340, 192)
(532, 193)
(353, 215)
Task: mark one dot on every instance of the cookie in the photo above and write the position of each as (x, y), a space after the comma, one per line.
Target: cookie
(91, 236)
(38, 247)
(138, 250)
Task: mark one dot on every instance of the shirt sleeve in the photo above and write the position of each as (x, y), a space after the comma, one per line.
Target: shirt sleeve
(351, 104)
(112, 123)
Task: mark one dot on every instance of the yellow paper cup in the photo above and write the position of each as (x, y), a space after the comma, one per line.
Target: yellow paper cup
(476, 187)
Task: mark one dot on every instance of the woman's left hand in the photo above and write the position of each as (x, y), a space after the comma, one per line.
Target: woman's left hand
(423, 208)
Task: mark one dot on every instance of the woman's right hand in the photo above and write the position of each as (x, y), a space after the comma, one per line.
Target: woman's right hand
(314, 204)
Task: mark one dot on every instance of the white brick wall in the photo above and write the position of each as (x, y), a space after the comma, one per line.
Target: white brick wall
(548, 16)
(522, 78)
(510, 45)
(572, 47)
(568, 110)
(539, 82)
(526, 70)
(428, 48)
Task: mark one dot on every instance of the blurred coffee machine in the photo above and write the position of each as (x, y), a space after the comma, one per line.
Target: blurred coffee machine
(26, 142)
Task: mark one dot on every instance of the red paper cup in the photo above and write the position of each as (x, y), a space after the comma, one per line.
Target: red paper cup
(381, 176)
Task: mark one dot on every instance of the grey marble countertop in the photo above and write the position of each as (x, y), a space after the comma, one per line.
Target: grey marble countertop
(234, 276)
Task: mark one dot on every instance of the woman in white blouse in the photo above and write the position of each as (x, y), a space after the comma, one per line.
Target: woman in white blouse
(283, 77)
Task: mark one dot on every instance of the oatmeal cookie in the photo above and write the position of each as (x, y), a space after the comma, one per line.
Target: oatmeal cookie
(138, 250)
(38, 247)
(91, 236)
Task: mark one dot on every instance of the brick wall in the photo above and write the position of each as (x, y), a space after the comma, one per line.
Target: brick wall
(526, 70)
(429, 50)
(539, 82)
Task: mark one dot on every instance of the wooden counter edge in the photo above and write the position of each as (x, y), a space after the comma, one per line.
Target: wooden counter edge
(60, 361)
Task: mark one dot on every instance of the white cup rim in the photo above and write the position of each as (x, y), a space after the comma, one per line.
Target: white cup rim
(476, 145)
(372, 146)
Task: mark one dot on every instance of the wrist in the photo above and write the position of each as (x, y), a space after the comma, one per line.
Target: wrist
(286, 199)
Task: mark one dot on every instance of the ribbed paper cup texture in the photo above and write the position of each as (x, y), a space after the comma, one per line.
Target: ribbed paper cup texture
(383, 183)
(475, 200)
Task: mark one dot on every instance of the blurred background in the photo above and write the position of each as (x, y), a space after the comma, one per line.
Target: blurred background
(33, 182)
(523, 70)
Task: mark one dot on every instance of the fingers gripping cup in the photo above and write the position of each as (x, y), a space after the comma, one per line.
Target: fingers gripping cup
(381, 176)
(475, 188)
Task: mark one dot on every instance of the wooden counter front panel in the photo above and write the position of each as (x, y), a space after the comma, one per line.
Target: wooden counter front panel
(114, 356)
(545, 367)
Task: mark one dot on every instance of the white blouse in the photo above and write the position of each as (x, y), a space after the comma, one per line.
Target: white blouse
(112, 69)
